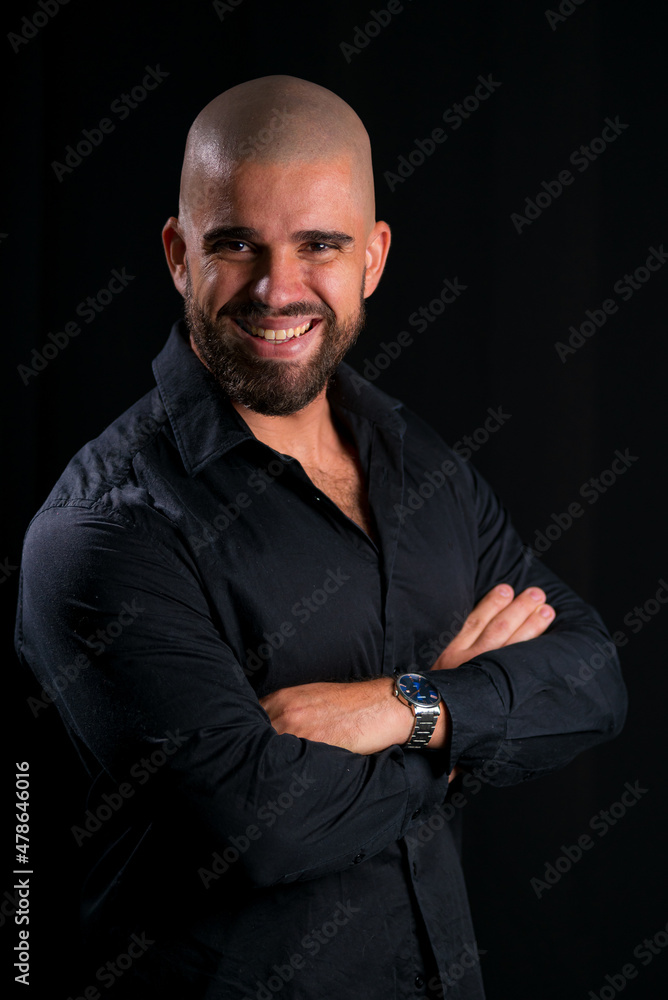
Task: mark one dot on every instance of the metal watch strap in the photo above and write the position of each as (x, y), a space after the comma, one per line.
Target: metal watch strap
(423, 730)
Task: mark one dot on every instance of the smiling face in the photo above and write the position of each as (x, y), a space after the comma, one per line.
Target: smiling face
(275, 281)
(275, 255)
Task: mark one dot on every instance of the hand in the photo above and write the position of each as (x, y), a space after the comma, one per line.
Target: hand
(365, 717)
(362, 716)
(498, 620)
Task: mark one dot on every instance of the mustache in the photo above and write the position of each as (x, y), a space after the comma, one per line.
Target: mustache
(252, 311)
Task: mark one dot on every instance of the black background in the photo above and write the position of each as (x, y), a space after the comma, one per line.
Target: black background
(495, 346)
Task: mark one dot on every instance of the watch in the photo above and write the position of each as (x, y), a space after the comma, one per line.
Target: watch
(425, 699)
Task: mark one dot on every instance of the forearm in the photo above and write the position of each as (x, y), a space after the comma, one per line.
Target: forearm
(171, 672)
(369, 717)
(522, 706)
(518, 706)
(321, 808)
(364, 716)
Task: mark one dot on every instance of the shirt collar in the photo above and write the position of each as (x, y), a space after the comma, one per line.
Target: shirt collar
(206, 425)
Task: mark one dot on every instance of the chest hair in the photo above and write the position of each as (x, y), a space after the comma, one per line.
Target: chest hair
(344, 484)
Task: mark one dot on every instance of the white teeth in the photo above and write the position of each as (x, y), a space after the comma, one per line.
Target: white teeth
(267, 334)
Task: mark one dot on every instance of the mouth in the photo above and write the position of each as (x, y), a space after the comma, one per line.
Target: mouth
(272, 334)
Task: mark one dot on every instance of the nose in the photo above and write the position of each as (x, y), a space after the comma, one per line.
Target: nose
(277, 278)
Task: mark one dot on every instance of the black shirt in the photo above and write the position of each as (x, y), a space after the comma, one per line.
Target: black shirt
(180, 570)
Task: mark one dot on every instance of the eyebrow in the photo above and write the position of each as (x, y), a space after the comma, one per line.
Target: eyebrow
(301, 236)
(322, 236)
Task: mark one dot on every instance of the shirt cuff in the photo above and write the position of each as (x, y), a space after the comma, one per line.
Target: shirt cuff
(477, 712)
(427, 775)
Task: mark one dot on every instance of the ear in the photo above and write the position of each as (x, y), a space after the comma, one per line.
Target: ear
(377, 249)
(175, 252)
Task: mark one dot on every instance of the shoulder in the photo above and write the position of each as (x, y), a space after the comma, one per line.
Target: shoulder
(423, 445)
(105, 469)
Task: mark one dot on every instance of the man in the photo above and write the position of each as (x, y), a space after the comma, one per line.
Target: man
(214, 573)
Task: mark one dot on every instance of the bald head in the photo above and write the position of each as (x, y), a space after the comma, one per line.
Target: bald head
(274, 119)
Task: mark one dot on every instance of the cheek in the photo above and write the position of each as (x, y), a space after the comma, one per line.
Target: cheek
(339, 289)
(216, 286)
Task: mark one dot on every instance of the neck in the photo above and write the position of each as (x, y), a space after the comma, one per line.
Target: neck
(307, 435)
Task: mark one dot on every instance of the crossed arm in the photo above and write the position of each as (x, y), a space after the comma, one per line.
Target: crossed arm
(365, 717)
(172, 672)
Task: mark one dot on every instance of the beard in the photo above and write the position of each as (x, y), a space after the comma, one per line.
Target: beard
(274, 388)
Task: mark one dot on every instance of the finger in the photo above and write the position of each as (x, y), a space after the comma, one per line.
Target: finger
(483, 613)
(499, 630)
(534, 625)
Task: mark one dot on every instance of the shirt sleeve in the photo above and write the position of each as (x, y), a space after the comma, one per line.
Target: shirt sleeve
(529, 708)
(115, 624)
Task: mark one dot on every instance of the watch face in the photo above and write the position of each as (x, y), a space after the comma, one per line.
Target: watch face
(418, 690)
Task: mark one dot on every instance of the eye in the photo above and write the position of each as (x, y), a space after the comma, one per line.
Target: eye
(322, 247)
(235, 246)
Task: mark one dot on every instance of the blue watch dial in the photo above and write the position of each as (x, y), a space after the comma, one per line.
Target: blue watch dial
(418, 690)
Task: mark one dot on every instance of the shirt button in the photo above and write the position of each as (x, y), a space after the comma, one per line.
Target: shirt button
(416, 813)
(360, 857)
(419, 982)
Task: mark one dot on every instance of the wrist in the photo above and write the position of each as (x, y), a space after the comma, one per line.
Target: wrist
(439, 739)
(401, 718)
(426, 710)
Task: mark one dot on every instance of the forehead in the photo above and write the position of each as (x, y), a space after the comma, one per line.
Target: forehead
(274, 197)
